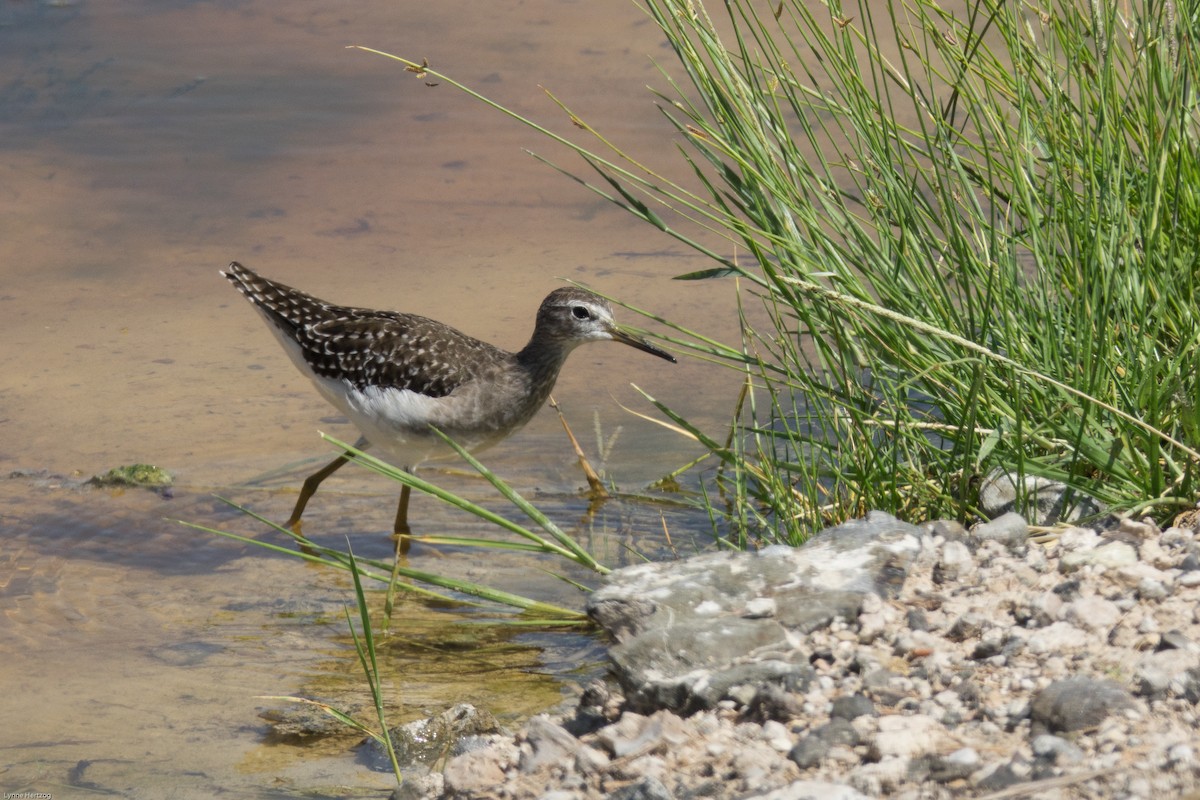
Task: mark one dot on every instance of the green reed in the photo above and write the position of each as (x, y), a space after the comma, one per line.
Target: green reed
(970, 237)
(364, 647)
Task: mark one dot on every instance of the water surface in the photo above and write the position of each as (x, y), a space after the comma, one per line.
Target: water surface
(145, 145)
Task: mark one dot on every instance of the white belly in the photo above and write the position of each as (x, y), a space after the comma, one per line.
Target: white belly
(396, 421)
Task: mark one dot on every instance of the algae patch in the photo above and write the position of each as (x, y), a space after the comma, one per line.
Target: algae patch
(144, 475)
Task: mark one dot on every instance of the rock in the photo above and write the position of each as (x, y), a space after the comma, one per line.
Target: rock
(955, 564)
(1078, 539)
(909, 736)
(1150, 583)
(1009, 529)
(1059, 637)
(1035, 559)
(963, 760)
(1138, 530)
(1151, 552)
(777, 736)
(1183, 755)
(809, 751)
(1092, 613)
(916, 620)
(968, 626)
(813, 748)
(1044, 501)
(852, 706)
(1004, 776)
(950, 530)
(1169, 673)
(880, 778)
(425, 741)
(420, 787)
(875, 618)
(634, 734)
(1175, 639)
(1055, 750)
(811, 790)
(751, 763)
(917, 644)
(647, 788)
(945, 769)
(478, 770)
(882, 685)
(1110, 556)
(1073, 704)
(1177, 537)
(547, 743)
(759, 607)
(683, 637)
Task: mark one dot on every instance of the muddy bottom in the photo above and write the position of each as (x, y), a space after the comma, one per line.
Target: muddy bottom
(141, 654)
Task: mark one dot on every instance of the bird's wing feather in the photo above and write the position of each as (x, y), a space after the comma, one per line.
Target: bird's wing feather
(383, 349)
(394, 351)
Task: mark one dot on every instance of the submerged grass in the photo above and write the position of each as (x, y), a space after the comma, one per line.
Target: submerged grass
(974, 237)
(544, 538)
(364, 647)
(397, 577)
(557, 543)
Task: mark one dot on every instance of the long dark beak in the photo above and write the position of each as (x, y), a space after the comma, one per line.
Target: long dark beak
(625, 337)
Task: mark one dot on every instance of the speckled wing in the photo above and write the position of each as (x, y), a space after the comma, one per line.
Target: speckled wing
(394, 351)
(383, 349)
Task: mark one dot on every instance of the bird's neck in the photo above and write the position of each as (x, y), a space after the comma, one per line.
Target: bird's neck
(542, 359)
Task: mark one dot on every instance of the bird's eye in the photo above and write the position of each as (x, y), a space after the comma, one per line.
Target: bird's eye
(580, 312)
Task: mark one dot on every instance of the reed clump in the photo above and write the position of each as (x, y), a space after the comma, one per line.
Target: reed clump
(972, 233)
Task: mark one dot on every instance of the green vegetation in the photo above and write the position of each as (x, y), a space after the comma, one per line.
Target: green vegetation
(145, 475)
(364, 646)
(395, 576)
(972, 236)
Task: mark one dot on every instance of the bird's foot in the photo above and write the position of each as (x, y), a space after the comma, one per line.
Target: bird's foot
(402, 539)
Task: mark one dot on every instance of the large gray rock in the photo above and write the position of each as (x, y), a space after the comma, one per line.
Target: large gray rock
(689, 632)
(1041, 500)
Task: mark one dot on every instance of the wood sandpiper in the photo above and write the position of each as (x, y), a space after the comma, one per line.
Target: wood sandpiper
(393, 375)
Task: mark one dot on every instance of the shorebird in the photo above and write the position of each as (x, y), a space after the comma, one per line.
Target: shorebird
(394, 375)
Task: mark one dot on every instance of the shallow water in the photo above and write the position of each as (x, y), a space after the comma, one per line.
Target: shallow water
(145, 145)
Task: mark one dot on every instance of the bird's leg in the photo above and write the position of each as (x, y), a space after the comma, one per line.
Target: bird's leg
(310, 488)
(401, 531)
(313, 481)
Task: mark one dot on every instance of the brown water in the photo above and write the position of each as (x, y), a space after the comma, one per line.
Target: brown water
(145, 145)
